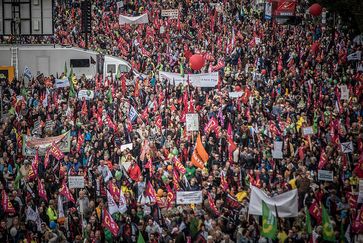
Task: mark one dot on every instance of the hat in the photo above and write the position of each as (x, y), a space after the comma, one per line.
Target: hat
(52, 225)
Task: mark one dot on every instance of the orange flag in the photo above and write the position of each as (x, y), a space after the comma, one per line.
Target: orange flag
(199, 156)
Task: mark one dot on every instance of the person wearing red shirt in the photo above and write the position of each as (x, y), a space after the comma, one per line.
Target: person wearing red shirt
(134, 171)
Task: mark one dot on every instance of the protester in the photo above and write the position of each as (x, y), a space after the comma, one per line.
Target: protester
(291, 80)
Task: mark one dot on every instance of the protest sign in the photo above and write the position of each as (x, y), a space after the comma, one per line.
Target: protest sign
(347, 147)
(344, 92)
(235, 94)
(126, 146)
(277, 151)
(75, 182)
(325, 175)
(171, 13)
(61, 83)
(85, 93)
(192, 122)
(183, 197)
(308, 131)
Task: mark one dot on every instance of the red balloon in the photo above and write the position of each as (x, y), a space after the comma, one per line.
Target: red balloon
(315, 9)
(196, 62)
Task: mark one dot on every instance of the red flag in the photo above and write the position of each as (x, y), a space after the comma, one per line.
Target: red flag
(176, 180)
(80, 141)
(211, 125)
(159, 122)
(150, 191)
(84, 110)
(46, 159)
(171, 195)
(224, 183)
(315, 211)
(64, 191)
(179, 166)
(212, 205)
(6, 204)
(232, 145)
(35, 163)
(110, 123)
(136, 89)
(114, 191)
(56, 152)
(123, 84)
(352, 200)
(41, 191)
(109, 223)
(357, 226)
(323, 159)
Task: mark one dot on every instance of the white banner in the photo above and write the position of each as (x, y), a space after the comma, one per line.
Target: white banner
(195, 197)
(235, 94)
(277, 151)
(142, 19)
(192, 122)
(171, 13)
(75, 182)
(61, 83)
(85, 93)
(197, 80)
(286, 203)
(325, 175)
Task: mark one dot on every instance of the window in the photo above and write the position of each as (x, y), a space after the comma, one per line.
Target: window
(111, 68)
(123, 68)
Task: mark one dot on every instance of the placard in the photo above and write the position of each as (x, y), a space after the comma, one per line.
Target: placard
(171, 13)
(61, 83)
(360, 194)
(325, 175)
(344, 92)
(75, 182)
(126, 146)
(268, 10)
(308, 131)
(277, 151)
(189, 197)
(235, 94)
(85, 93)
(347, 147)
(207, 80)
(192, 122)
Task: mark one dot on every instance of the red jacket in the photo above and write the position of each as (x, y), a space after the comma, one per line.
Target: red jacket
(134, 172)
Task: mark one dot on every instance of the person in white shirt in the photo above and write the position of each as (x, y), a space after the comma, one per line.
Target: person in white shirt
(145, 202)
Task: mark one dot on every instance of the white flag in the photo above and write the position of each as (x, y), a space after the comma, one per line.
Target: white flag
(30, 214)
(60, 207)
(112, 206)
(122, 205)
(142, 19)
(286, 203)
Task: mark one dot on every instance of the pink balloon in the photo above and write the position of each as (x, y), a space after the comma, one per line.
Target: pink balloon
(196, 62)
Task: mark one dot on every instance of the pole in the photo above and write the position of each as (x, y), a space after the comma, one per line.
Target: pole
(86, 37)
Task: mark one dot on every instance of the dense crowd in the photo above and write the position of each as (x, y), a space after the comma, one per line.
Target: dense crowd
(290, 77)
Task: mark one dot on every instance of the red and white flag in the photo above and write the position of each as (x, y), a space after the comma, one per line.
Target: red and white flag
(64, 191)
(56, 152)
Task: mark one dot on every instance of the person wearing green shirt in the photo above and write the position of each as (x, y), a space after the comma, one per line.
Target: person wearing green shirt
(52, 212)
(190, 170)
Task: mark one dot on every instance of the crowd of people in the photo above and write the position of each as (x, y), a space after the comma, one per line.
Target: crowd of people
(130, 144)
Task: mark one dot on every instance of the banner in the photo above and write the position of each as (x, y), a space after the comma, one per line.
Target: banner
(307, 131)
(30, 143)
(61, 83)
(85, 93)
(197, 80)
(192, 122)
(142, 19)
(277, 151)
(344, 92)
(171, 13)
(27, 73)
(325, 175)
(286, 203)
(75, 182)
(235, 94)
(268, 10)
(356, 56)
(189, 197)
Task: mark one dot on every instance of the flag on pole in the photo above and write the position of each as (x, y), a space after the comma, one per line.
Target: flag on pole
(109, 223)
(179, 166)
(64, 191)
(6, 204)
(308, 222)
(328, 231)
(140, 238)
(200, 155)
(269, 223)
(150, 191)
(41, 190)
(112, 206)
(56, 152)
